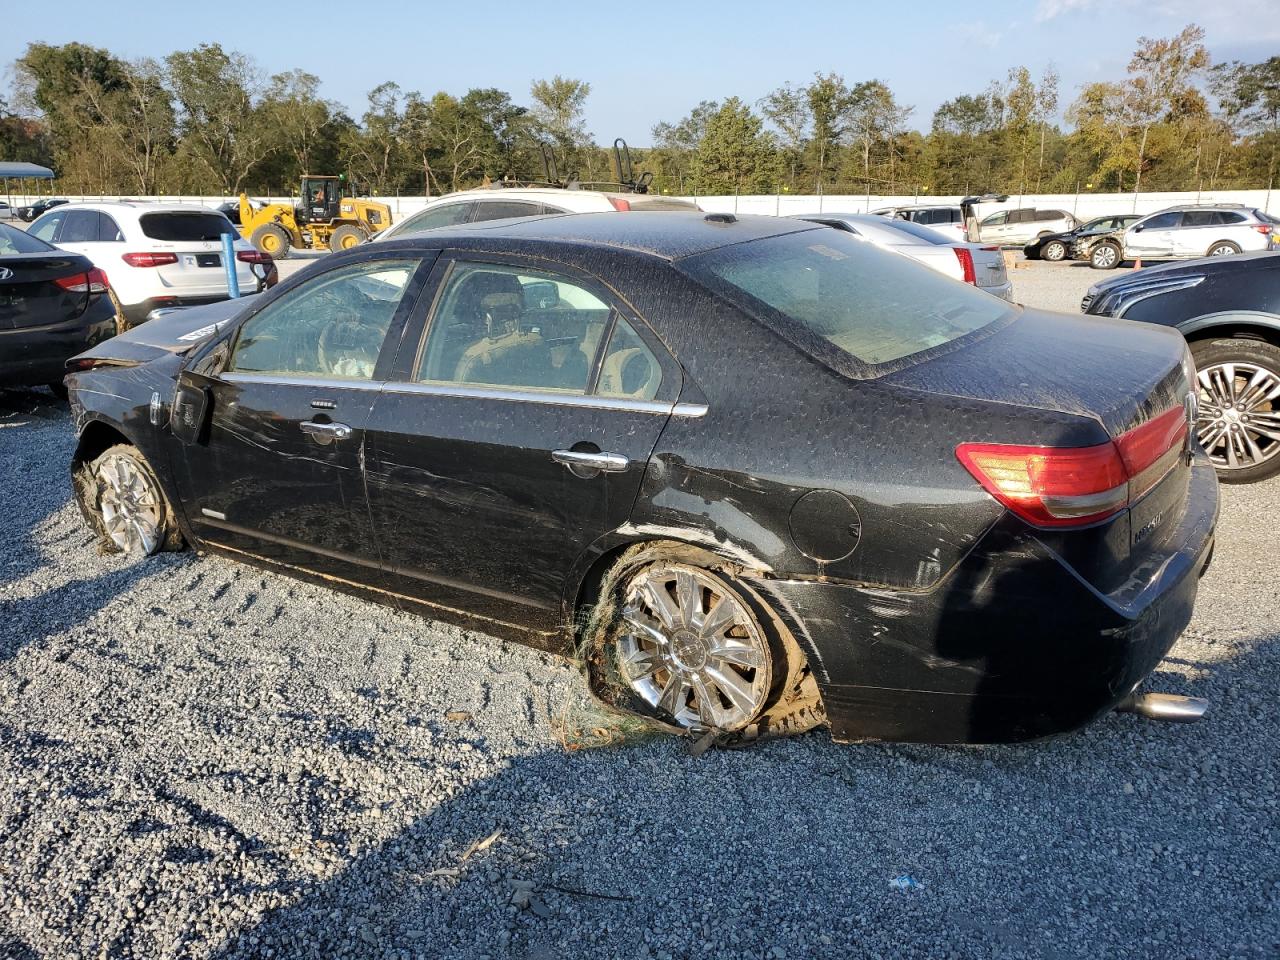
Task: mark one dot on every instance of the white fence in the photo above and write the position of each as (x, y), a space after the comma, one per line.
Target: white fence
(1082, 205)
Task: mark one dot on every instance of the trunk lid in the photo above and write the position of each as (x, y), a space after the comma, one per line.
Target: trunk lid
(988, 265)
(29, 292)
(196, 240)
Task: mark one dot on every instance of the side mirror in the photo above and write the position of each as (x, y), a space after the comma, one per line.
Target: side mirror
(1137, 228)
(192, 408)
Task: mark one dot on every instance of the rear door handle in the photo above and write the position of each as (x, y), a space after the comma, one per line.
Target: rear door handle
(605, 462)
(324, 433)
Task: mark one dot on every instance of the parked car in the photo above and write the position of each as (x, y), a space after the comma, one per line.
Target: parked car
(497, 203)
(40, 206)
(1228, 308)
(752, 472)
(1189, 232)
(1018, 227)
(1059, 246)
(8, 212)
(968, 262)
(231, 210)
(156, 255)
(53, 305)
(947, 219)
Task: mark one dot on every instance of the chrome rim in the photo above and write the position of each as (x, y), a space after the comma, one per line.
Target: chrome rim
(1055, 251)
(1105, 257)
(130, 505)
(1222, 251)
(691, 649)
(1239, 423)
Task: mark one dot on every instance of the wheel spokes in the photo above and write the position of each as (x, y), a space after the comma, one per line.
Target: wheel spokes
(689, 595)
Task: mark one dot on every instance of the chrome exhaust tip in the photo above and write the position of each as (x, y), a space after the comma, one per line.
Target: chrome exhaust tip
(1169, 707)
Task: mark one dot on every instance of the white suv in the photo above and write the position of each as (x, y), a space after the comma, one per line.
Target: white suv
(944, 218)
(155, 254)
(496, 203)
(1188, 232)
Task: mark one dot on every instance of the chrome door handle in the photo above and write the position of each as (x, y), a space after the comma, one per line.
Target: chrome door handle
(324, 433)
(605, 462)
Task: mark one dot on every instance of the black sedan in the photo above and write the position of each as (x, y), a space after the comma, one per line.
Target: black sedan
(40, 206)
(1228, 308)
(53, 305)
(756, 475)
(1060, 246)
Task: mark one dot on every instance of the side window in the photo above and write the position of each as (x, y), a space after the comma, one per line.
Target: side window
(513, 327)
(46, 228)
(1230, 216)
(996, 219)
(497, 209)
(81, 227)
(442, 216)
(1200, 218)
(1162, 221)
(333, 326)
(629, 369)
(109, 230)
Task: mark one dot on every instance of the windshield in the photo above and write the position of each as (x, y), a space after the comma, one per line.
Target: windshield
(837, 297)
(185, 227)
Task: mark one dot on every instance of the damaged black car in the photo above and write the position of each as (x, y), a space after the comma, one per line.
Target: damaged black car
(754, 475)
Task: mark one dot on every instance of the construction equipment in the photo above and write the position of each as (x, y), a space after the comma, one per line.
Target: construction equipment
(323, 217)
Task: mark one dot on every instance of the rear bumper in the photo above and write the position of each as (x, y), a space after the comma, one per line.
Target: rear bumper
(1002, 290)
(1011, 645)
(30, 357)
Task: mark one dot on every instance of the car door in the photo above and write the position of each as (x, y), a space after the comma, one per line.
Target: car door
(1152, 237)
(513, 437)
(278, 473)
(995, 228)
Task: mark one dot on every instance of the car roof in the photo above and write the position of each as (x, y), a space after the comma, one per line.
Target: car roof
(668, 235)
(140, 207)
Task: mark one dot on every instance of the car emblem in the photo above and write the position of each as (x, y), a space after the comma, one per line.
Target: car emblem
(5, 273)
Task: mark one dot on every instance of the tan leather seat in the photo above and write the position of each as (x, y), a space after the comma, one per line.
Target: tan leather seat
(506, 354)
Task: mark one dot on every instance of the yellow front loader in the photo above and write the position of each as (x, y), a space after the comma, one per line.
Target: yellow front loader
(322, 218)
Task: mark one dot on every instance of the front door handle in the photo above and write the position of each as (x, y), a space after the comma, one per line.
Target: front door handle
(605, 462)
(324, 433)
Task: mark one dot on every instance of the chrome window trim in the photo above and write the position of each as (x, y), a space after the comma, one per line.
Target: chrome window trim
(401, 388)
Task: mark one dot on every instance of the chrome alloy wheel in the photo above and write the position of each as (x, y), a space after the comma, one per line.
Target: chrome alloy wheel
(1239, 424)
(692, 649)
(130, 505)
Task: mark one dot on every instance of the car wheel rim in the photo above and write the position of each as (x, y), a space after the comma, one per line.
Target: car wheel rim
(1222, 251)
(1239, 423)
(1106, 256)
(130, 505)
(691, 649)
(1054, 251)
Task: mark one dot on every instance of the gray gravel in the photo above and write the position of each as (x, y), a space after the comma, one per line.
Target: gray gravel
(203, 760)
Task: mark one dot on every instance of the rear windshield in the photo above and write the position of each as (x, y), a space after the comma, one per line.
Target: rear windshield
(920, 232)
(14, 241)
(841, 299)
(185, 227)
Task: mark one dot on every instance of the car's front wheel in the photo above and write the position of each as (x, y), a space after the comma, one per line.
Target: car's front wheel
(1105, 256)
(678, 637)
(1239, 393)
(1054, 251)
(127, 504)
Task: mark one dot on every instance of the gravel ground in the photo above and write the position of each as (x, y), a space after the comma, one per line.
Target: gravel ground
(204, 760)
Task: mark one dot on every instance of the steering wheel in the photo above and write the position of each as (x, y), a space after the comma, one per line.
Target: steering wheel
(348, 346)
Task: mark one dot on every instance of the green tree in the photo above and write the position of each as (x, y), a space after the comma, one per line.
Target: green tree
(787, 108)
(558, 106)
(1161, 73)
(736, 154)
(1250, 96)
(831, 105)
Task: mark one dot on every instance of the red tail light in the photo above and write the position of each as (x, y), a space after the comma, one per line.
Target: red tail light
(620, 204)
(149, 259)
(253, 256)
(95, 281)
(1262, 228)
(1074, 486)
(966, 264)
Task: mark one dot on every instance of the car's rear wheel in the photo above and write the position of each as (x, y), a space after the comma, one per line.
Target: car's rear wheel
(1054, 251)
(1239, 422)
(272, 240)
(1224, 249)
(678, 637)
(130, 509)
(1105, 256)
(345, 237)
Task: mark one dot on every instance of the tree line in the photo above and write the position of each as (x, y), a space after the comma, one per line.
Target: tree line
(208, 121)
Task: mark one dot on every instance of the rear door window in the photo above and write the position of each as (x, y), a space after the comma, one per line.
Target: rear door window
(1200, 218)
(445, 215)
(500, 209)
(81, 226)
(847, 303)
(185, 227)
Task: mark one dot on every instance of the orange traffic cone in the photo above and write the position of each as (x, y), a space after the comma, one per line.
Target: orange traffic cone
(1137, 264)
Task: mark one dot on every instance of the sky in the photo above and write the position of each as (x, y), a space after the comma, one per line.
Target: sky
(654, 61)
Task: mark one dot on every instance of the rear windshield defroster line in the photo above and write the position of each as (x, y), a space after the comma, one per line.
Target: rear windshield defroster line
(861, 310)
